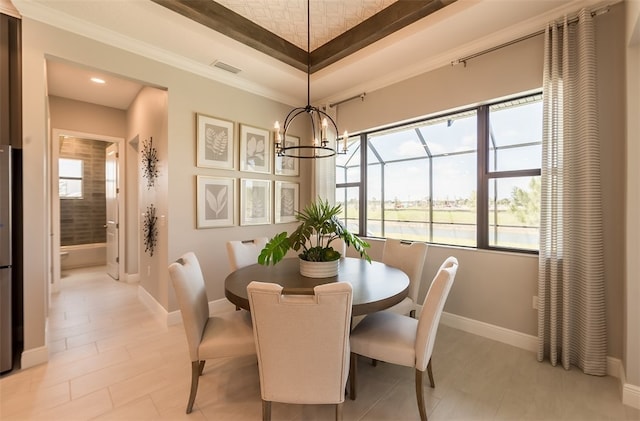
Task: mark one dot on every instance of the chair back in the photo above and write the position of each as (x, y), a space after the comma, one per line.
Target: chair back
(302, 342)
(191, 293)
(431, 311)
(245, 253)
(408, 257)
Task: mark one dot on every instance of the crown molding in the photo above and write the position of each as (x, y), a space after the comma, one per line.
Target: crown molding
(52, 17)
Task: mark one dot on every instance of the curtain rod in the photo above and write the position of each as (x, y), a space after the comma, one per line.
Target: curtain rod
(361, 96)
(463, 60)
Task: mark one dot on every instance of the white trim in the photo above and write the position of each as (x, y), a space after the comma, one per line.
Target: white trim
(630, 392)
(614, 367)
(33, 357)
(172, 318)
(50, 16)
(161, 315)
(631, 395)
(497, 333)
(524, 341)
(131, 278)
(220, 306)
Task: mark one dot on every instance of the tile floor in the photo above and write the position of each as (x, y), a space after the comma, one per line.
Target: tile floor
(110, 360)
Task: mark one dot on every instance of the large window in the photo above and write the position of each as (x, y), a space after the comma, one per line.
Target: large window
(470, 178)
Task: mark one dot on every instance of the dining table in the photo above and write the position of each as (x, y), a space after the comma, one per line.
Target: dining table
(376, 286)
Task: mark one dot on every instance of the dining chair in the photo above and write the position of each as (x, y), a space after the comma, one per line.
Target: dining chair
(408, 257)
(227, 335)
(244, 253)
(399, 339)
(302, 342)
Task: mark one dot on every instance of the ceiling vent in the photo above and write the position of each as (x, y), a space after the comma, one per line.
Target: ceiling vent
(224, 66)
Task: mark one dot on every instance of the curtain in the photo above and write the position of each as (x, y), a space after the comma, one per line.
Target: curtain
(324, 171)
(571, 301)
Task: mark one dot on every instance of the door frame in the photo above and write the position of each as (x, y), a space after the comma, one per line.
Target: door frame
(55, 199)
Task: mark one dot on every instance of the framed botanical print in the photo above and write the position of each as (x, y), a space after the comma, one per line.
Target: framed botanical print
(215, 140)
(215, 201)
(255, 150)
(287, 165)
(255, 202)
(286, 201)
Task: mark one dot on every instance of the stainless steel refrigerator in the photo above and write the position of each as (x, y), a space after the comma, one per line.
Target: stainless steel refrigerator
(6, 325)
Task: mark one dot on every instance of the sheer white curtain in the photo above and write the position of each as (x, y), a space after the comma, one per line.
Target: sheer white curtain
(571, 301)
(324, 171)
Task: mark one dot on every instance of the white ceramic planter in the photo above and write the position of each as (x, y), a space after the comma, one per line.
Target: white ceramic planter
(319, 269)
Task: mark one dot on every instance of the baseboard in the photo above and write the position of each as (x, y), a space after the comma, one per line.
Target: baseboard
(486, 330)
(512, 337)
(158, 311)
(167, 319)
(33, 357)
(614, 368)
(631, 395)
(220, 306)
(132, 278)
(630, 392)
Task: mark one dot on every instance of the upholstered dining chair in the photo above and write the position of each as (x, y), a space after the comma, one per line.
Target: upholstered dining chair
(244, 253)
(227, 335)
(302, 342)
(398, 339)
(408, 257)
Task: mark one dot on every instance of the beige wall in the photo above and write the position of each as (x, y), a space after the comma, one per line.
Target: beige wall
(69, 114)
(186, 94)
(632, 286)
(492, 287)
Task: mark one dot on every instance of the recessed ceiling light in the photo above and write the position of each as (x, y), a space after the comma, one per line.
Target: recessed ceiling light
(97, 80)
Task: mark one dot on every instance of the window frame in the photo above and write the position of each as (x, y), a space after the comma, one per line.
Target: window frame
(80, 179)
(483, 177)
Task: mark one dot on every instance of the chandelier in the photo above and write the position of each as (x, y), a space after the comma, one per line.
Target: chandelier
(324, 130)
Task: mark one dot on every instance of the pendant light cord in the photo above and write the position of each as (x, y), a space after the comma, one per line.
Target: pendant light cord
(308, 52)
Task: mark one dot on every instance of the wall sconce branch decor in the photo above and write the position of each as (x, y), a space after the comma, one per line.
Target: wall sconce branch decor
(150, 230)
(149, 162)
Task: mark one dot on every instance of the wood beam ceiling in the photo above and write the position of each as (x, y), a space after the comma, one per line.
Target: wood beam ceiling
(227, 22)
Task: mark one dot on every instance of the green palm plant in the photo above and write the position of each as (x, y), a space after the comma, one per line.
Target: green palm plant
(319, 226)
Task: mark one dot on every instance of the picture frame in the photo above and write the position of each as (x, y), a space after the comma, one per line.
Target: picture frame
(287, 165)
(216, 142)
(215, 202)
(255, 202)
(287, 201)
(255, 149)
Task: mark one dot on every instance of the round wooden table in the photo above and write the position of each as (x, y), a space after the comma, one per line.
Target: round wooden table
(376, 286)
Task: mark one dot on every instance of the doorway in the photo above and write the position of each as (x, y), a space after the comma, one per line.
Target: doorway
(99, 230)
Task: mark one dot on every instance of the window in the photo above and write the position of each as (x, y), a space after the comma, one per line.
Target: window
(471, 178)
(70, 178)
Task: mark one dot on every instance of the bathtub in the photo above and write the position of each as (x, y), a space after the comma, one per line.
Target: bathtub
(83, 255)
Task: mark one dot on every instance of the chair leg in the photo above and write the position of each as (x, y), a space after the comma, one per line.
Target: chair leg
(352, 376)
(266, 410)
(430, 373)
(196, 367)
(339, 411)
(420, 396)
(202, 366)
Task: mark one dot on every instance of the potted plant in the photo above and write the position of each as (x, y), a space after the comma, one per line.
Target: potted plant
(319, 226)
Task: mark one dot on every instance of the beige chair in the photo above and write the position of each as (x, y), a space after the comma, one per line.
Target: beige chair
(245, 253)
(397, 339)
(227, 335)
(408, 257)
(302, 342)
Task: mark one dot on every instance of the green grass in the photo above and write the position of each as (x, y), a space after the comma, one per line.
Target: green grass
(444, 216)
